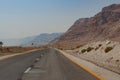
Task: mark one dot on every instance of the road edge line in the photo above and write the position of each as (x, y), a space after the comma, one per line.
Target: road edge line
(86, 69)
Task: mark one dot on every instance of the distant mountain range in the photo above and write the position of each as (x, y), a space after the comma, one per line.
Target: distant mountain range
(102, 26)
(16, 42)
(42, 39)
(38, 40)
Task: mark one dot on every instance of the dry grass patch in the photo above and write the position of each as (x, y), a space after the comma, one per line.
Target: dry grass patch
(15, 49)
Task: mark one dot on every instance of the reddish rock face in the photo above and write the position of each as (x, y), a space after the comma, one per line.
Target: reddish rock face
(104, 25)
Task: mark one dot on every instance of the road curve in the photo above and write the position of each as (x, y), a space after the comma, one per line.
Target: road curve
(54, 66)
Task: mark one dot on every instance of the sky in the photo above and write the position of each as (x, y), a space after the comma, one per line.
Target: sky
(22, 18)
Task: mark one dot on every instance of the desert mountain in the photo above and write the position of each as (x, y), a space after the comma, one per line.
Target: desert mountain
(16, 41)
(102, 26)
(36, 40)
(42, 39)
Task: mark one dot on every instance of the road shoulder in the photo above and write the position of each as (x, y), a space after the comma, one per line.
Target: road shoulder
(16, 54)
(94, 68)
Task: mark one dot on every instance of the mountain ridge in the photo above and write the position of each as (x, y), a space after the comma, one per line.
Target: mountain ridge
(104, 25)
(42, 39)
(27, 41)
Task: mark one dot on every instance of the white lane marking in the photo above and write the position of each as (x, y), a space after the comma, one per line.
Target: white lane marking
(27, 70)
(37, 59)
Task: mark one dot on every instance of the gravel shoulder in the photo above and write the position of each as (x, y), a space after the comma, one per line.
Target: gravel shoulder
(106, 74)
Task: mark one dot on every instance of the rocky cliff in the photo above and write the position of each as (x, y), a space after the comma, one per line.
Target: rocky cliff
(102, 26)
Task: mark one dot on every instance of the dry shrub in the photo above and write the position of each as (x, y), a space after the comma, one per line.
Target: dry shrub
(83, 50)
(89, 49)
(107, 49)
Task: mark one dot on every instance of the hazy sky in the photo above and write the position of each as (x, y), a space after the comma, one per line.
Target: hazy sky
(20, 18)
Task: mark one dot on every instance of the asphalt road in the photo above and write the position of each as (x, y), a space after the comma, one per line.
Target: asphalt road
(51, 66)
(54, 66)
(13, 68)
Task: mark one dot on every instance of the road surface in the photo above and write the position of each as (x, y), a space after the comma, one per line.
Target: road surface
(13, 68)
(51, 66)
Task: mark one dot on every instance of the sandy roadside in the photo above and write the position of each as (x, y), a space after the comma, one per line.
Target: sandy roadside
(106, 74)
(11, 55)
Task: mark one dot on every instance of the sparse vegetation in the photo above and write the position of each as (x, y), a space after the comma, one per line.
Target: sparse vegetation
(89, 49)
(78, 46)
(1, 43)
(107, 49)
(61, 48)
(83, 50)
(98, 47)
(117, 60)
(32, 44)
